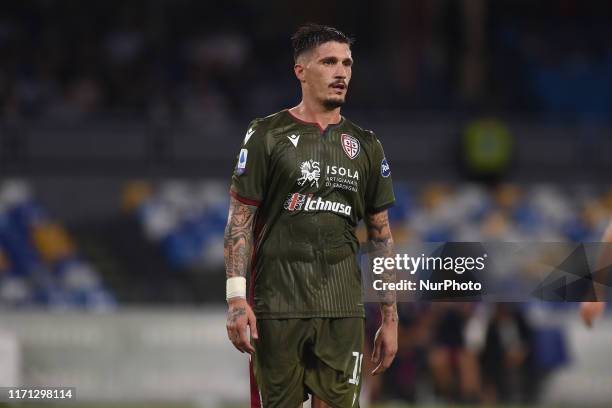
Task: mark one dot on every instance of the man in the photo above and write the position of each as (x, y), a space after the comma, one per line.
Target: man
(304, 178)
(590, 311)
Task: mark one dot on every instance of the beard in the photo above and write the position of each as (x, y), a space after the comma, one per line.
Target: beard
(332, 103)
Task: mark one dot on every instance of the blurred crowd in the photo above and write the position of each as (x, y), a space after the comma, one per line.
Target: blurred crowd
(506, 212)
(185, 221)
(40, 265)
(160, 60)
(170, 233)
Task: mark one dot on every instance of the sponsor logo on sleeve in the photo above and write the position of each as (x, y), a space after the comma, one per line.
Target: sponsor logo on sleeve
(350, 145)
(385, 169)
(242, 160)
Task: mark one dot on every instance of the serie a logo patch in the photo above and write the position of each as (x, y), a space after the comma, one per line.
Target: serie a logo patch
(242, 160)
(350, 145)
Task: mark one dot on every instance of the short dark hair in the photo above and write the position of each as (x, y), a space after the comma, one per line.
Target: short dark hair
(310, 36)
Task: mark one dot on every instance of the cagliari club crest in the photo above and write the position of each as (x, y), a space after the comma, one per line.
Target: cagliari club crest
(350, 145)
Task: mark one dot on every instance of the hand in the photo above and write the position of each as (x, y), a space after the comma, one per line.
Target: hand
(239, 316)
(385, 345)
(589, 311)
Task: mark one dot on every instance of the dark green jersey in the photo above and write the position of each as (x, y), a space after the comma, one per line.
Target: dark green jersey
(312, 187)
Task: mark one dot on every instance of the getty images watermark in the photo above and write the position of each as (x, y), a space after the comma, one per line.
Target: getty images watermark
(496, 272)
(411, 264)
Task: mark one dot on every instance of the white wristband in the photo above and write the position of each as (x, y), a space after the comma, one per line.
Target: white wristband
(235, 287)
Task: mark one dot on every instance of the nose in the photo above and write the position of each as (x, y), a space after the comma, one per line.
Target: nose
(341, 72)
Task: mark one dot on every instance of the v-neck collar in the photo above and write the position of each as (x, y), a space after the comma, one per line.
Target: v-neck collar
(321, 130)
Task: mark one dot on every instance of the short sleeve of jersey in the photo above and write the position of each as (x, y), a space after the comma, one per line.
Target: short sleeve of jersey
(251, 170)
(379, 191)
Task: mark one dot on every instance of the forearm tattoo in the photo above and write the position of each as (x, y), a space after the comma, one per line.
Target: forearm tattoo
(381, 244)
(238, 238)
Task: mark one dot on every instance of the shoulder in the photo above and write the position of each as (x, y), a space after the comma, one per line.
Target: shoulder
(271, 123)
(263, 130)
(366, 136)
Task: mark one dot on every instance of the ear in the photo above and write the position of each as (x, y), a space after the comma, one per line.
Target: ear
(299, 72)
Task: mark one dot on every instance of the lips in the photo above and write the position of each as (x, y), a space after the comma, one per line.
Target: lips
(338, 85)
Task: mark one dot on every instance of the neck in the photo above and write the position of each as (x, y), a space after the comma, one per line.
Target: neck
(315, 113)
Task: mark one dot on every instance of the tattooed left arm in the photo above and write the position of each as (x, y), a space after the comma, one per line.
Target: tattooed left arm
(385, 341)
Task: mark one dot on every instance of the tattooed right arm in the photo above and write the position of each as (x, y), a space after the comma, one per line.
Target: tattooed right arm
(238, 238)
(237, 251)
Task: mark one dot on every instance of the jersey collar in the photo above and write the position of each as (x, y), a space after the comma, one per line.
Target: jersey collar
(321, 130)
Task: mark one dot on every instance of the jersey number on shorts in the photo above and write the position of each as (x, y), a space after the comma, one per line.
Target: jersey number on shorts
(357, 369)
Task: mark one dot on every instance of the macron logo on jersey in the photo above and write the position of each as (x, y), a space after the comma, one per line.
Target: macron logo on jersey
(248, 135)
(294, 139)
(297, 202)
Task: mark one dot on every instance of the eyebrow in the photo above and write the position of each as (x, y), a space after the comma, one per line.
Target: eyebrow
(335, 59)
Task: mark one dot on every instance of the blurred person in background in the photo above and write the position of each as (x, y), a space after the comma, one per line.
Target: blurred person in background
(305, 177)
(507, 369)
(453, 365)
(590, 311)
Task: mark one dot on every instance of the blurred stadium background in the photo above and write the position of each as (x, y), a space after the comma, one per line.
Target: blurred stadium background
(120, 122)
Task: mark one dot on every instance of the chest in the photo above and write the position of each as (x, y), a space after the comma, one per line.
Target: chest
(313, 162)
